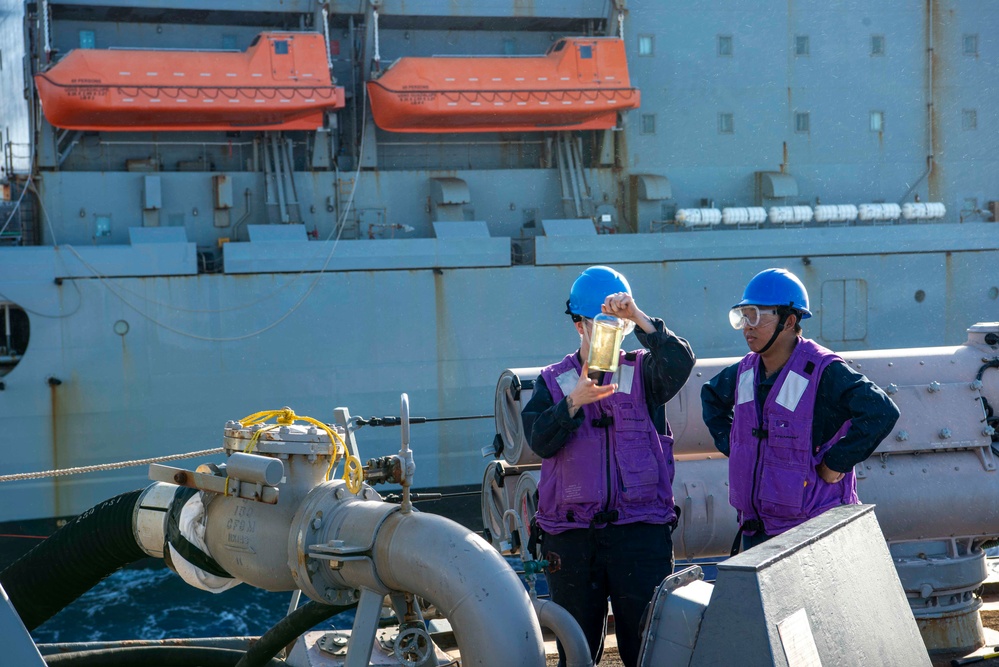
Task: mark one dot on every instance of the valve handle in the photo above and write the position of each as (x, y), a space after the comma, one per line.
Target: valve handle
(413, 647)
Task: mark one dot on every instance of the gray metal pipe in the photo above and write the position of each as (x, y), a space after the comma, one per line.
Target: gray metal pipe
(565, 151)
(468, 581)
(577, 147)
(929, 103)
(562, 174)
(278, 176)
(558, 620)
(289, 169)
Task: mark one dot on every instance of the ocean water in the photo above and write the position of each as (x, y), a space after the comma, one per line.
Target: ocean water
(154, 603)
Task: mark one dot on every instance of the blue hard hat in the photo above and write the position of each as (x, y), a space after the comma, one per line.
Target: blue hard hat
(592, 287)
(776, 287)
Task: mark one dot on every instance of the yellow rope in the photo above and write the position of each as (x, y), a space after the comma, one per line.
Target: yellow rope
(256, 436)
(353, 472)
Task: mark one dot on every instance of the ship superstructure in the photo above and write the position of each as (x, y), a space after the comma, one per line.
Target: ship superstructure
(153, 277)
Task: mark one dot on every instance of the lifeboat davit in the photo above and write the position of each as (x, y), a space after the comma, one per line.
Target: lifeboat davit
(281, 82)
(580, 84)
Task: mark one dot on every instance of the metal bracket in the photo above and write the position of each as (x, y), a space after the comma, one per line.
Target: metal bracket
(685, 576)
(406, 455)
(337, 553)
(987, 457)
(224, 486)
(342, 418)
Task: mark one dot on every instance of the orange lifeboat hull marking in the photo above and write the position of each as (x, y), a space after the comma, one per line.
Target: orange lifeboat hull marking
(581, 84)
(280, 83)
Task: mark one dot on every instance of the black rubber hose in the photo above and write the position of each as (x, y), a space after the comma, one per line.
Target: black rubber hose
(287, 630)
(73, 560)
(153, 656)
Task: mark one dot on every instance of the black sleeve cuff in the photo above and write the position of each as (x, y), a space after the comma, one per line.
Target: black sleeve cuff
(563, 419)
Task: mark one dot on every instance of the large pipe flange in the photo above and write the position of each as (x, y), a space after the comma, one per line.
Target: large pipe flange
(333, 529)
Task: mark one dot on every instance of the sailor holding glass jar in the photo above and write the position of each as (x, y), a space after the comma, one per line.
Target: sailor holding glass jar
(605, 499)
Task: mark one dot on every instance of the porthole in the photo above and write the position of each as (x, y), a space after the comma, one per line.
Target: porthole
(14, 333)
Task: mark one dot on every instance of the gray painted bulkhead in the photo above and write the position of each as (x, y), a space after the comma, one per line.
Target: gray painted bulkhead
(358, 339)
(192, 357)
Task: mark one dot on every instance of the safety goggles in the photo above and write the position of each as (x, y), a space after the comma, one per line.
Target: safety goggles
(749, 316)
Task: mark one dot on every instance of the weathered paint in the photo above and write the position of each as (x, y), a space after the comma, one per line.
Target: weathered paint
(56, 459)
(934, 81)
(952, 633)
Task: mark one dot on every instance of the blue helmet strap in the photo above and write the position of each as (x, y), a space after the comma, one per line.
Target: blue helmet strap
(780, 327)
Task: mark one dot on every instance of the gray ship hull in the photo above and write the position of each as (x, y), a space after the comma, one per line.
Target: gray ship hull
(163, 294)
(359, 338)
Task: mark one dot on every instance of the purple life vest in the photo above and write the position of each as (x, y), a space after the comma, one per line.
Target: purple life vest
(625, 466)
(772, 461)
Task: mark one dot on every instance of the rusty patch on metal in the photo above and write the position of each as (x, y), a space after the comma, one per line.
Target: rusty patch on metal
(960, 633)
(934, 79)
(54, 403)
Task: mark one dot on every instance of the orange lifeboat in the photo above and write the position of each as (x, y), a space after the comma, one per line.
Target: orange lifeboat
(280, 83)
(580, 84)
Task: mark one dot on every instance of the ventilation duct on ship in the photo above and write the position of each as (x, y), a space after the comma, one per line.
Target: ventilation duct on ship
(222, 200)
(647, 192)
(652, 187)
(152, 201)
(448, 199)
(774, 185)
